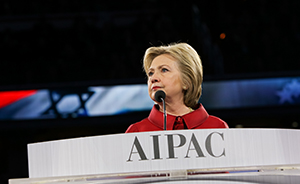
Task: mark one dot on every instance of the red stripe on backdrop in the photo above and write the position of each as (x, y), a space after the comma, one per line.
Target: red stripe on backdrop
(9, 97)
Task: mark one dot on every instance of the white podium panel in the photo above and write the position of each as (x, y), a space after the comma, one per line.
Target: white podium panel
(206, 150)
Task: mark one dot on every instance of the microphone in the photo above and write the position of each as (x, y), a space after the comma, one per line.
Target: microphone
(160, 97)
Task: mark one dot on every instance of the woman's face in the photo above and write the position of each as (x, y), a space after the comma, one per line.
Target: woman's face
(164, 75)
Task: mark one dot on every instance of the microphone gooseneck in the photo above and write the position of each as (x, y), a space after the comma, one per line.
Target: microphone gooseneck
(160, 97)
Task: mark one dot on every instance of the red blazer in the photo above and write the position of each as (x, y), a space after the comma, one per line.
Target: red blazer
(198, 119)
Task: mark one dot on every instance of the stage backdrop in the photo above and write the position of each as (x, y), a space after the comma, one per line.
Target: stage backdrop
(89, 101)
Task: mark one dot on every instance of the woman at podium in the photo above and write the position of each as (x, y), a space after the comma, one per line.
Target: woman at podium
(175, 69)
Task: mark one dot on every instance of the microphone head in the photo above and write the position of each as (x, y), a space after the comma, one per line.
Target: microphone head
(159, 95)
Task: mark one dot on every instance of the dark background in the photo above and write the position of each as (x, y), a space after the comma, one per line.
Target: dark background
(72, 43)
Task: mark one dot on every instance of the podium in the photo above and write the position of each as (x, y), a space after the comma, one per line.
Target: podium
(181, 156)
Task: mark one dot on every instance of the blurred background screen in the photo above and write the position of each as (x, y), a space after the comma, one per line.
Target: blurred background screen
(121, 99)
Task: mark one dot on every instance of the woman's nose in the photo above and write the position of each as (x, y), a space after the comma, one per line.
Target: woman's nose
(154, 78)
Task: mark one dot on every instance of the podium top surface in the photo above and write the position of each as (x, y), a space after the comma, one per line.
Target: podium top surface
(277, 176)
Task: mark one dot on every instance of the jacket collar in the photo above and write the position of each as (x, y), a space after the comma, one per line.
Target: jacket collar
(192, 119)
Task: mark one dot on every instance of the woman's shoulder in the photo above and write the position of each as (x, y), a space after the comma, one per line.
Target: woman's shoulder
(216, 122)
(138, 126)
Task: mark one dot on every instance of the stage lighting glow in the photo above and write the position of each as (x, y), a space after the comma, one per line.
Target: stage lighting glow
(222, 36)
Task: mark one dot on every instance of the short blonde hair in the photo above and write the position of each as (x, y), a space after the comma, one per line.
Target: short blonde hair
(189, 64)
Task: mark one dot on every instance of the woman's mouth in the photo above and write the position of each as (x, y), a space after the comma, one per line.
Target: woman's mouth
(156, 88)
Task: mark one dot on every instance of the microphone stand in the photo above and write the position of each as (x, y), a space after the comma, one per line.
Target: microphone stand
(165, 114)
(160, 97)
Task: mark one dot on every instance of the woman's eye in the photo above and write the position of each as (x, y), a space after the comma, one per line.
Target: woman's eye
(164, 70)
(150, 73)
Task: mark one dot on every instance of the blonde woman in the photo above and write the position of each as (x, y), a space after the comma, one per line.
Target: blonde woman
(175, 69)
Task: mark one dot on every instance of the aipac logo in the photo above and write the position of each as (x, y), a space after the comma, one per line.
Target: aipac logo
(188, 145)
(290, 93)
